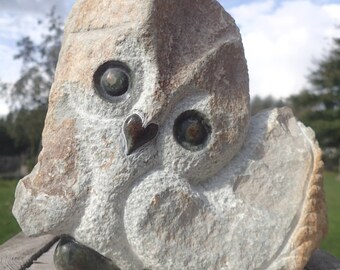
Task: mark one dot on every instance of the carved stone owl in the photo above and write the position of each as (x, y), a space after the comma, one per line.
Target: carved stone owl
(150, 156)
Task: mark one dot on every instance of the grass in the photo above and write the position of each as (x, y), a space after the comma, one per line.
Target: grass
(9, 227)
(332, 189)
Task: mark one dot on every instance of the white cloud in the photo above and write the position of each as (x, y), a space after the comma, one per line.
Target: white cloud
(9, 72)
(9, 68)
(16, 25)
(33, 6)
(3, 108)
(18, 18)
(282, 39)
(13, 28)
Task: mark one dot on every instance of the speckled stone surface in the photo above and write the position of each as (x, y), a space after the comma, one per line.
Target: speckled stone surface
(11, 256)
(249, 196)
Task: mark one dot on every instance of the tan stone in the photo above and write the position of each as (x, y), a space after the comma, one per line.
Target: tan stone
(250, 197)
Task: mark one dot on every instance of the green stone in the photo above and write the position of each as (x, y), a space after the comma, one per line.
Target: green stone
(71, 255)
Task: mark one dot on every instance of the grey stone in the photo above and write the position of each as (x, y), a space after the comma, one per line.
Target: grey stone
(71, 255)
(250, 197)
(321, 260)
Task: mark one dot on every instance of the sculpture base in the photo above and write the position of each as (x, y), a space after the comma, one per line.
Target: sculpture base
(36, 253)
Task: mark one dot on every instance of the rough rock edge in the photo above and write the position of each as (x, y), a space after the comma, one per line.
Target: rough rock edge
(313, 224)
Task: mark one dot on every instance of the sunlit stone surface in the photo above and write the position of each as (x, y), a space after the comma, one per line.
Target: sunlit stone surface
(234, 193)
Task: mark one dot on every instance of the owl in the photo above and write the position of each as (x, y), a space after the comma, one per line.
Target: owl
(150, 156)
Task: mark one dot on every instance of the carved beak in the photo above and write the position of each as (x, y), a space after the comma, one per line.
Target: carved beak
(136, 135)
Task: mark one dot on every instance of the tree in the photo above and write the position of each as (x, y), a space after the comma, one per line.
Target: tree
(28, 97)
(39, 62)
(7, 143)
(319, 105)
(258, 104)
(25, 127)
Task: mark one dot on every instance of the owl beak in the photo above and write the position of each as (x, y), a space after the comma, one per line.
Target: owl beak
(136, 135)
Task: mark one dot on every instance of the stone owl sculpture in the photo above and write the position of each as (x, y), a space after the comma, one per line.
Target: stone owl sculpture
(150, 156)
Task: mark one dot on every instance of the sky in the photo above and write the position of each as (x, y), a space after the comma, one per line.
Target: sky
(283, 39)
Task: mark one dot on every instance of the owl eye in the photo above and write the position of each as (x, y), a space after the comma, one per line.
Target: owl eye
(111, 80)
(192, 130)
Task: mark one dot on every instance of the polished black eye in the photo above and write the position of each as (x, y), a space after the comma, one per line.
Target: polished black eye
(115, 82)
(192, 130)
(111, 80)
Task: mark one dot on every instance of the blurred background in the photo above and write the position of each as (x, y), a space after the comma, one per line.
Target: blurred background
(293, 54)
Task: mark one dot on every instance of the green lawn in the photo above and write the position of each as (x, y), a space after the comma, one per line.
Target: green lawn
(332, 189)
(9, 227)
